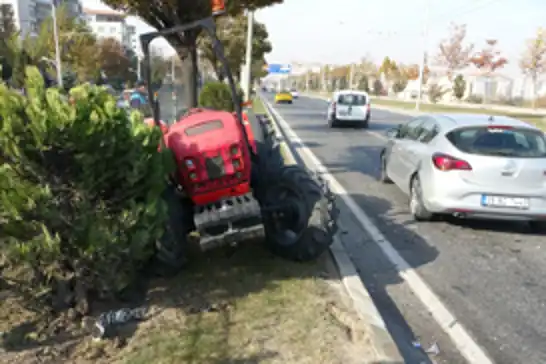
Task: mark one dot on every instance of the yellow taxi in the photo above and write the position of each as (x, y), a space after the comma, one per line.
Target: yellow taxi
(284, 97)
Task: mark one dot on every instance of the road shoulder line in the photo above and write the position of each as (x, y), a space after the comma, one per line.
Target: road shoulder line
(464, 342)
(383, 342)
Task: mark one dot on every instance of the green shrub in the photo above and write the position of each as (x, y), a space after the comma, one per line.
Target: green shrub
(80, 188)
(459, 87)
(399, 85)
(474, 99)
(217, 95)
(377, 87)
(363, 84)
(435, 92)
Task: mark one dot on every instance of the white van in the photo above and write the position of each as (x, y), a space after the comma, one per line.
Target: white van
(349, 106)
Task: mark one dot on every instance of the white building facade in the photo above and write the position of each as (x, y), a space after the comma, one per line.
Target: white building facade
(29, 14)
(111, 24)
(24, 15)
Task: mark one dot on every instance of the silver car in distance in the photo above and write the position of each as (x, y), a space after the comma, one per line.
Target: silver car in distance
(469, 165)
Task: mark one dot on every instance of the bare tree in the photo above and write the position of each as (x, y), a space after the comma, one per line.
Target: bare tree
(453, 54)
(533, 61)
(488, 60)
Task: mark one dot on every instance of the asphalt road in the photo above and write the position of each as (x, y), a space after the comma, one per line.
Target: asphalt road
(490, 275)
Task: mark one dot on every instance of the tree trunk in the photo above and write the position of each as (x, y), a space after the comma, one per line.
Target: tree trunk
(534, 92)
(190, 69)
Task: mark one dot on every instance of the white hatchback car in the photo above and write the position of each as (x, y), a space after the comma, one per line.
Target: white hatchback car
(467, 165)
(295, 93)
(349, 106)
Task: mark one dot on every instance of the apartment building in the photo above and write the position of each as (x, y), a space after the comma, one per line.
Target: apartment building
(29, 14)
(24, 15)
(43, 8)
(112, 24)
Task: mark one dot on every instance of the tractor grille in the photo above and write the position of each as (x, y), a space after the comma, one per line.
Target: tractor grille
(215, 167)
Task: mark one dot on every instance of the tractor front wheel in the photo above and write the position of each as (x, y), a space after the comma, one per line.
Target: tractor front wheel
(305, 227)
(172, 247)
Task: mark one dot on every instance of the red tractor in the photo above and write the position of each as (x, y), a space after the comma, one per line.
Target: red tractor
(231, 182)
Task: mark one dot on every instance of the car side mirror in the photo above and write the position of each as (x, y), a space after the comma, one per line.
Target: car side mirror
(393, 133)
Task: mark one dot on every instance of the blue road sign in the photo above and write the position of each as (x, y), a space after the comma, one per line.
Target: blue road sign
(282, 69)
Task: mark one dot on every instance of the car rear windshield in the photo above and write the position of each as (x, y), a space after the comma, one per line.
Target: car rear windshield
(351, 99)
(499, 141)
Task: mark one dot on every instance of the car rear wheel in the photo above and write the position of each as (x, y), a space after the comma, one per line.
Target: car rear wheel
(416, 205)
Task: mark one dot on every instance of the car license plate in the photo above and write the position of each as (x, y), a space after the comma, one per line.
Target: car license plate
(503, 201)
(343, 113)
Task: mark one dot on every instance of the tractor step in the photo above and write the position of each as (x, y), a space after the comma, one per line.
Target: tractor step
(228, 221)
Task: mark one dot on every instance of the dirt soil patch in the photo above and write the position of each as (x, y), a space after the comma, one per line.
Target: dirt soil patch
(239, 305)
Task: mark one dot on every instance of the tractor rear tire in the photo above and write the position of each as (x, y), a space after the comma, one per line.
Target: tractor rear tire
(307, 232)
(172, 247)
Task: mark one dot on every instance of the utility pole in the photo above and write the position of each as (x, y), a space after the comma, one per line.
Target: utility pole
(173, 80)
(422, 63)
(351, 76)
(139, 70)
(246, 74)
(56, 40)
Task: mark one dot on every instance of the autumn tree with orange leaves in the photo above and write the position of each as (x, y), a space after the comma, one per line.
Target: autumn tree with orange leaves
(488, 60)
(115, 62)
(412, 72)
(453, 54)
(533, 62)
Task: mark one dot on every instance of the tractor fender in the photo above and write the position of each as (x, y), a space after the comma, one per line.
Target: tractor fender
(164, 127)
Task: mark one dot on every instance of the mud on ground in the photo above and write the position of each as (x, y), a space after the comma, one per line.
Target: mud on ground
(234, 306)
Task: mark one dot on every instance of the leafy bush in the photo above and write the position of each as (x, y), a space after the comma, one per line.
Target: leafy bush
(377, 87)
(363, 84)
(474, 99)
(80, 189)
(399, 85)
(459, 87)
(217, 95)
(435, 92)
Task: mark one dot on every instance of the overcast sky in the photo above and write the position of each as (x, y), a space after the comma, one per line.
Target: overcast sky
(324, 31)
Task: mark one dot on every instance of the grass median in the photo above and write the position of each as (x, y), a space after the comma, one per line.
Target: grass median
(539, 120)
(232, 305)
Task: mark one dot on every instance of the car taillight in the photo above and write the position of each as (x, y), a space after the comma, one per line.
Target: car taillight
(446, 162)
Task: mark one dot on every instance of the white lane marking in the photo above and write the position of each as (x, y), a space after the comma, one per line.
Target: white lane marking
(467, 346)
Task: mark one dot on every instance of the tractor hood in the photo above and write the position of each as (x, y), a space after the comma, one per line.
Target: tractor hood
(203, 132)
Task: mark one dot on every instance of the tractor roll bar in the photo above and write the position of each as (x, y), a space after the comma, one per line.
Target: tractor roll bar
(210, 27)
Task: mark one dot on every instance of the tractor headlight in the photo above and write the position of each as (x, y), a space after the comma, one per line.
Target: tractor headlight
(193, 176)
(236, 164)
(234, 150)
(189, 163)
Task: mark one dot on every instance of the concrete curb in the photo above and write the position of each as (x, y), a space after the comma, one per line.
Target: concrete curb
(384, 344)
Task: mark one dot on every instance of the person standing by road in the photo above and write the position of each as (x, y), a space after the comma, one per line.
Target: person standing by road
(138, 96)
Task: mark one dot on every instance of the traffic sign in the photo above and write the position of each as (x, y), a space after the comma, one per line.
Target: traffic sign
(283, 69)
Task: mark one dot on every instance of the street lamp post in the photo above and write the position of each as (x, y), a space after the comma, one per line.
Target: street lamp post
(57, 48)
(422, 63)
